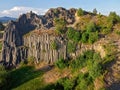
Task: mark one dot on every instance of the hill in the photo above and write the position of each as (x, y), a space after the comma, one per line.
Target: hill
(6, 19)
(75, 50)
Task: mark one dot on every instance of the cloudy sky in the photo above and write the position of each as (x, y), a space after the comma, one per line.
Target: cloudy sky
(14, 8)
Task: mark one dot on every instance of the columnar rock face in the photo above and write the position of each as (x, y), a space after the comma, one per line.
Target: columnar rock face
(13, 38)
(40, 46)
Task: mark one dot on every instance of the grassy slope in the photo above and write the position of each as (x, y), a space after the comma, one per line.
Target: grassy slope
(25, 78)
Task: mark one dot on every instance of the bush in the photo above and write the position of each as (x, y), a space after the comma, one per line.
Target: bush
(91, 34)
(76, 37)
(67, 83)
(82, 60)
(91, 27)
(3, 76)
(80, 12)
(113, 18)
(60, 25)
(106, 30)
(88, 54)
(73, 35)
(93, 37)
(93, 64)
(83, 81)
(71, 47)
(95, 69)
(70, 33)
(60, 63)
(85, 37)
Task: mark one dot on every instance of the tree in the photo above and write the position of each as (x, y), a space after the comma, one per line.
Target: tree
(73, 35)
(70, 33)
(85, 37)
(80, 12)
(93, 36)
(91, 27)
(113, 18)
(95, 11)
(60, 25)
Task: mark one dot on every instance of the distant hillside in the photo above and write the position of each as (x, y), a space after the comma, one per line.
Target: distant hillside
(6, 19)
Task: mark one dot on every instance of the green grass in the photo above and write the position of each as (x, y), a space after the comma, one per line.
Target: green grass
(34, 84)
(25, 78)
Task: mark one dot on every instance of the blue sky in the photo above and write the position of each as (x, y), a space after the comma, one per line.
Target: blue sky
(15, 7)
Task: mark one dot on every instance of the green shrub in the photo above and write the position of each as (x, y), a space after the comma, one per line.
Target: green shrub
(106, 30)
(85, 37)
(76, 37)
(117, 32)
(61, 63)
(91, 33)
(70, 33)
(83, 81)
(93, 64)
(91, 27)
(67, 83)
(82, 60)
(78, 62)
(113, 18)
(88, 54)
(93, 37)
(73, 35)
(60, 25)
(95, 69)
(80, 12)
(71, 47)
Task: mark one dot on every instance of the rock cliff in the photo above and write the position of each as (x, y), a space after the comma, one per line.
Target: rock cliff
(39, 44)
(14, 51)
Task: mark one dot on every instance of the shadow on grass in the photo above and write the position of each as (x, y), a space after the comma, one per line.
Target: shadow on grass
(19, 76)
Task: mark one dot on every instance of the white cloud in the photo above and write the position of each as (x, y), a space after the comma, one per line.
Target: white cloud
(18, 10)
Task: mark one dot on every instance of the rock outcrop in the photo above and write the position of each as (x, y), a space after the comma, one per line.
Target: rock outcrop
(14, 45)
(39, 44)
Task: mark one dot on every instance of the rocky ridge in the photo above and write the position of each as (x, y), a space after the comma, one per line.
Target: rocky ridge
(13, 51)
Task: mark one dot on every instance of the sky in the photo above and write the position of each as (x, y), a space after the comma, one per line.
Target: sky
(14, 8)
